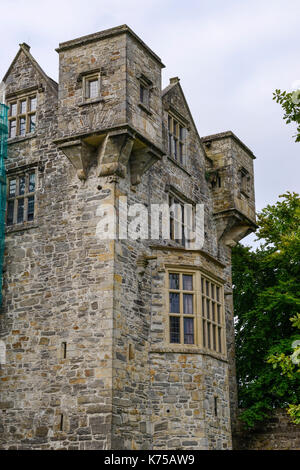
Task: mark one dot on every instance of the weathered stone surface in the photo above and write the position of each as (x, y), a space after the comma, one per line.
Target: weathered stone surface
(84, 321)
(275, 433)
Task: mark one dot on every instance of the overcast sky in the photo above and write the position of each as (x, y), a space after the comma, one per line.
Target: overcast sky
(230, 56)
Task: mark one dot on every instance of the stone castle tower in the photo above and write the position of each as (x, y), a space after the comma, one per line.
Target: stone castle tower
(118, 343)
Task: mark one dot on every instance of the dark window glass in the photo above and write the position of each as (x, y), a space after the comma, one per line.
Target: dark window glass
(187, 282)
(188, 331)
(204, 332)
(213, 308)
(142, 94)
(219, 340)
(174, 302)
(219, 314)
(30, 213)
(214, 337)
(20, 212)
(207, 288)
(181, 152)
(10, 212)
(207, 308)
(174, 281)
(170, 143)
(174, 330)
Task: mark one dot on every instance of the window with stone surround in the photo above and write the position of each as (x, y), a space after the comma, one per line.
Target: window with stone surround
(245, 182)
(182, 219)
(22, 115)
(145, 88)
(195, 310)
(21, 198)
(176, 139)
(91, 86)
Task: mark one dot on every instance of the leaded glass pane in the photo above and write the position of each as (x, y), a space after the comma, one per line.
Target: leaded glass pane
(188, 304)
(187, 280)
(30, 213)
(20, 212)
(32, 182)
(188, 331)
(174, 303)
(174, 330)
(93, 88)
(174, 281)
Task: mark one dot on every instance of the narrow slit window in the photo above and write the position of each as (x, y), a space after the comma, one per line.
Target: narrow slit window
(64, 349)
(216, 406)
(176, 140)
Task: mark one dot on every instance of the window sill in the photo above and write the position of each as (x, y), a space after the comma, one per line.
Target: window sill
(20, 227)
(145, 108)
(246, 194)
(179, 165)
(95, 101)
(21, 138)
(185, 349)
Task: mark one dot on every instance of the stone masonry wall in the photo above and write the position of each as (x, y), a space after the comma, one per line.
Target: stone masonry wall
(121, 384)
(276, 433)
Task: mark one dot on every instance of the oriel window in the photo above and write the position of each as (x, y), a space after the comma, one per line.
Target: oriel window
(195, 311)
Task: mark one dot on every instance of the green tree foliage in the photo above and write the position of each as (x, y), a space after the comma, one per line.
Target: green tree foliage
(266, 297)
(290, 103)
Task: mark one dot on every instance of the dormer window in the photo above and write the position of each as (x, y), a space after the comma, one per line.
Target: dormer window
(22, 115)
(176, 139)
